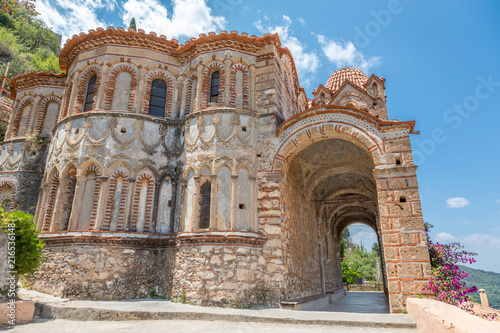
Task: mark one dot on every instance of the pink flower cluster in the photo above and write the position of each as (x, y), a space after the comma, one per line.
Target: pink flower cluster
(447, 278)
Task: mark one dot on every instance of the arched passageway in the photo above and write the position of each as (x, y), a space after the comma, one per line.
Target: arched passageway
(328, 186)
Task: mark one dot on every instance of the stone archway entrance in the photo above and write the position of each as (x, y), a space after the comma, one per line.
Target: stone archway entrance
(338, 167)
(329, 185)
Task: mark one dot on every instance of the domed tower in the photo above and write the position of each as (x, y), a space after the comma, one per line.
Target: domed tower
(351, 87)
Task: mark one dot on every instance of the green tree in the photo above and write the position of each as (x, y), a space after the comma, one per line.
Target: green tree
(28, 247)
(344, 242)
(25, 8)
(34, 34)
(132, 23)
(376, 249)
(349, 273)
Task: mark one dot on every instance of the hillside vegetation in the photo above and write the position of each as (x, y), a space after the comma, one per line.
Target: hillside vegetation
(489, 281)
(27, 44)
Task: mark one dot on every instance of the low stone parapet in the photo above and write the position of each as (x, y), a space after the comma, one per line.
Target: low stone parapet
(18, 312)
(438, 317)
(314, 302)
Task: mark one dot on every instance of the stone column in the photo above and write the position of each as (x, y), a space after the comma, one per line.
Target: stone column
(213, 202)
(103, 81)
(199, 87)
(227, 81)
(181, 207)
(252, 87)
(40, 211)
(179, 97)
(34, 115)
(77, 199)
(234, 184)
(101, 205)
(156, 200)
(72, 100)
(251, 209)
(139, 92)
(173, 210)
(59, 202)
(196, 204)
(130, 197)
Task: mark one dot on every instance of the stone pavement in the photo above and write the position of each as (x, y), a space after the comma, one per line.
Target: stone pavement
(118, 316)
(185, 326)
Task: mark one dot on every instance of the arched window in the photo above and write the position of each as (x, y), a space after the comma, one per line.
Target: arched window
(375, 89)
(214, 87)
(89, 98)
(158, 98)
(205, 192)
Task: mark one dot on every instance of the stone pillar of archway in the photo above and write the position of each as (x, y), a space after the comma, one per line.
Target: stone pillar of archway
(402, 228)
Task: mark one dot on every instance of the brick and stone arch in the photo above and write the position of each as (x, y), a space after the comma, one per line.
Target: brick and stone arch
(121, 88)
(207, 76)
(239, 89)
(116, 203)
(83, 82)
(20, 126)
(169, 79)
(51, 200)
(8, 195)
(87, 196)
(142, 206)
(48, 114)
(190, 94)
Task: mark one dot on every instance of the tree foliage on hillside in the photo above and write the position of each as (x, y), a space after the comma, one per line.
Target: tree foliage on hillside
(489, 281)
(27, 44)
(357, 262)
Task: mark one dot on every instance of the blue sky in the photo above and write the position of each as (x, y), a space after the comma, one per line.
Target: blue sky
(441, 64)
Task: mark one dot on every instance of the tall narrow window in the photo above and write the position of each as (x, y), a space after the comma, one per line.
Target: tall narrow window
(89, 98)
(214, 87)
(205, 193)
(158, 98)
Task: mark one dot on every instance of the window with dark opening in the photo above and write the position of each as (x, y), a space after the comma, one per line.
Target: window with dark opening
(402, 199)
(398, 160)
(205, 193)
(158, 98)
(242, 206)
(89, 98)
(214, 87)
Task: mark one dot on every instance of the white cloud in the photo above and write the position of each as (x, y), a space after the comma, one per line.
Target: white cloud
(465, 221)
(305, 62)
(346, 54)
(362, 234)
(457, 202)
(444, 237)
(189, 18)
(497, 201)
(302, 21)
(69, 17)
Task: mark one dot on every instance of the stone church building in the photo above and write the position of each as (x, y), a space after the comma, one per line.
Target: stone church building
(202, 170)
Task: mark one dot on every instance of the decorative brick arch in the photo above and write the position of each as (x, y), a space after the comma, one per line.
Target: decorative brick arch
(42, 110)
(119, 172)
(50, 203)
(207, 74)
(190, 93)
(246, 91)
(12, 186)
(27, 101)
(308, 127)
(97, 189)
(165, 76)
(110, 85)
(82, 87)
(146, 174)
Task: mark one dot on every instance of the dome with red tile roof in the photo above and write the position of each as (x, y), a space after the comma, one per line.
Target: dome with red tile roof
(352, 74)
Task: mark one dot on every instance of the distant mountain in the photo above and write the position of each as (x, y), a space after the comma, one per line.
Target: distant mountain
(489, 281)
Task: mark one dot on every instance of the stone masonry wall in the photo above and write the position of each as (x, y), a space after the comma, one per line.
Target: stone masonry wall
(103, 272)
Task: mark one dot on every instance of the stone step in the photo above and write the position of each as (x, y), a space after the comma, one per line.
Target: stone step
(49, 307)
